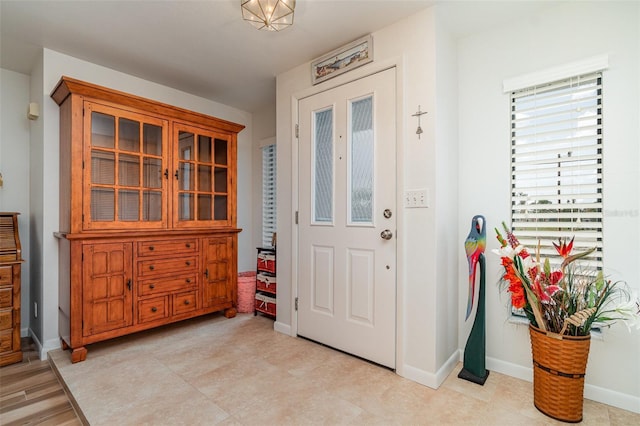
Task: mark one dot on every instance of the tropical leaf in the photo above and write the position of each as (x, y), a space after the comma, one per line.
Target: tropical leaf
(576, 256)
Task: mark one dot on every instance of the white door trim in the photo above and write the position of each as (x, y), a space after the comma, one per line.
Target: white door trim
(365, 71)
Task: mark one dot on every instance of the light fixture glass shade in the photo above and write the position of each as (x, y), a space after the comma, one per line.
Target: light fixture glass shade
(270, 15)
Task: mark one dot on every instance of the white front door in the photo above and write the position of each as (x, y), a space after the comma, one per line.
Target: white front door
(347, 218)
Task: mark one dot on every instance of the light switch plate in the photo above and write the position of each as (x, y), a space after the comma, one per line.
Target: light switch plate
(416, 198)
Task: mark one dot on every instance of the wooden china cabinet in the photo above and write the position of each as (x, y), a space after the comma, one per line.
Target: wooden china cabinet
(148, 230)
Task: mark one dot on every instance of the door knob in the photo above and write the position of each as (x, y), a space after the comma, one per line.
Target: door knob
(386, 234)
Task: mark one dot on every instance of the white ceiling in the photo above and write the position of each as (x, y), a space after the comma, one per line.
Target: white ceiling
(204, 47)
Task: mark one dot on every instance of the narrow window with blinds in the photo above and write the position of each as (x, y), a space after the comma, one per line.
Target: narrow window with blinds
(268, 194)
(556, 165)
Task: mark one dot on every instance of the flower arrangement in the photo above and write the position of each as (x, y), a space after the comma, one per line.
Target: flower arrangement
(569, 300)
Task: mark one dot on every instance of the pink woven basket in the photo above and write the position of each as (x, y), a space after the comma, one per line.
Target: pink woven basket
(246, 291)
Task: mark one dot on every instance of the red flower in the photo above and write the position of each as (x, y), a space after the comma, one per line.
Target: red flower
(563, 248)
(518, 299)
(555, 277)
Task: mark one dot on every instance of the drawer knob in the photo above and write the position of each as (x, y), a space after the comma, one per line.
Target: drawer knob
(188, 245)
(188, 263)
(152, 267)
(151, 248)
(188, 280)
(152, 286)
(186, 302)
(154, 309)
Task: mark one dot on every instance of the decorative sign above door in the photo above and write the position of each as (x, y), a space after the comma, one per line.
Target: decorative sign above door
(343, 59)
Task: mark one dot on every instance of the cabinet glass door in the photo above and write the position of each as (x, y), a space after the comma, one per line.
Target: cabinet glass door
(125, 179)
(203, 178)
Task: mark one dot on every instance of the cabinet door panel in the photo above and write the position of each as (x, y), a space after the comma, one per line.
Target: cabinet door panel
(204, 185)
(107, 297)
(125, 169)
(219, 276)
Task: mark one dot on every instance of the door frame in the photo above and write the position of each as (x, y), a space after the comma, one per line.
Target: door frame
(341, 80)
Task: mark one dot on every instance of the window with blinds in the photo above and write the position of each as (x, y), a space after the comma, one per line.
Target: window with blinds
(268, 194)
(556, 164)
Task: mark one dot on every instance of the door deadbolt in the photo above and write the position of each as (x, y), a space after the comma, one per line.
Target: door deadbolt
(387, 213)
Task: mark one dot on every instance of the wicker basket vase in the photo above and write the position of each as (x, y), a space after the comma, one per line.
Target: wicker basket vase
(559, 366)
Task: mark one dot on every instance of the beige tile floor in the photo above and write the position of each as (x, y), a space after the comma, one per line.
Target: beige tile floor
(238, 371)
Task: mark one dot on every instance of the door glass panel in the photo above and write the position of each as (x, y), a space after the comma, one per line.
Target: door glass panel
(185, 180)
(103, 130)
(323, 166)
(204, 149)
(185, 148)
(129, 135)
(361, 190)
(204, 178)
(128, 202)
(152, 173)
(152, 139)
(151, 205)
(221, 151)
(221, 180)
(103, 170)
(204, 207)
(185, 206)
(102, 204)
(220, 207)
(128, 170)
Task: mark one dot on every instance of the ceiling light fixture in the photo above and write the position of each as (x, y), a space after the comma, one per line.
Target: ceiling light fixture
(270, 15)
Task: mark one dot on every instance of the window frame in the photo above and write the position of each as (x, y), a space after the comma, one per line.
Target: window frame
(269, 193)
(544, 123)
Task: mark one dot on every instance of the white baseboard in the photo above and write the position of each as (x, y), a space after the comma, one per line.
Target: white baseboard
(282, 328)
(432, 380)
(513, 370)
(49, 345)
(613, 398)
(37, 343)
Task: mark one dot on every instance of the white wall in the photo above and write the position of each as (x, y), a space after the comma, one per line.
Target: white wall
(44, 191)
(564, 33)
(264, 129)
(14, 166)
(427, 337)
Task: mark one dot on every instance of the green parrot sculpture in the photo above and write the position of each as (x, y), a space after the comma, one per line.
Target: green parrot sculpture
(474, 246)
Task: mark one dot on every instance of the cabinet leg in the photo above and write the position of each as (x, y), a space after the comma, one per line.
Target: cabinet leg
(63, 344)
(78, 354)
(230, 312)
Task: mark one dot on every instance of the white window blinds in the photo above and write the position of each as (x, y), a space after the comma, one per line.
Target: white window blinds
(268, 194)
(556, 164)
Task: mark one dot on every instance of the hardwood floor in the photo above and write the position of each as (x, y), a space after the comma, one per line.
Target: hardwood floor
(30, 393)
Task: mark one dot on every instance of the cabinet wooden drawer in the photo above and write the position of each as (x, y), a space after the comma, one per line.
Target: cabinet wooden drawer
(164, 247)
(6, 275)
(153, 309)
(6, 319)
(167, 285)
(6, 297)
(179, 265)
(184, 302)
(6, 340)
